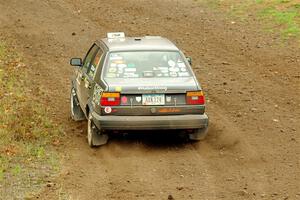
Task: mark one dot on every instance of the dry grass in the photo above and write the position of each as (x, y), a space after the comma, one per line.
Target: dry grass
(27, 134)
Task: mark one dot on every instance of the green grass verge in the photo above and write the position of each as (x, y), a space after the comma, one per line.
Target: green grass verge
(28, 159)
(287, 19)
(282, 16)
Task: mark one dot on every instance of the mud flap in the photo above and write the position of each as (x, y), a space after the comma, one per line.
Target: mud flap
(99, 139)
(199, 134)
(76, 111)
(95, 136)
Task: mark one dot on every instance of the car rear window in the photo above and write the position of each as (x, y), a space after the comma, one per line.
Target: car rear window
(143, 64)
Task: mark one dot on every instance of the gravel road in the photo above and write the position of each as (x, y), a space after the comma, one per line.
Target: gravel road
(250, 79)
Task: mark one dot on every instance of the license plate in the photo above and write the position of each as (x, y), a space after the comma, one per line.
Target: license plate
(153, 99)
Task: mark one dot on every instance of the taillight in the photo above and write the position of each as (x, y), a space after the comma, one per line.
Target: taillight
(195, 98)
(110, 99)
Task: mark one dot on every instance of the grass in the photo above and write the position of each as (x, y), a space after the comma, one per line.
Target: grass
(27, 135)
(288, 19)
(281, 16)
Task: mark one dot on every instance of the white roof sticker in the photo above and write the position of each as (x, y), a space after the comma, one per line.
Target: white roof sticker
(115, 35)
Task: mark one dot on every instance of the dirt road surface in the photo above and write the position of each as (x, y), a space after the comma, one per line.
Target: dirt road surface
(251, 80)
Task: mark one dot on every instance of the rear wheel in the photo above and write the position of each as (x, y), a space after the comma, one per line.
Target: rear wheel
(95, 136)
(76, 111)
(198, 134)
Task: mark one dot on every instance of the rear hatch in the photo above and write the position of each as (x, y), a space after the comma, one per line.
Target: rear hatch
(153, 96)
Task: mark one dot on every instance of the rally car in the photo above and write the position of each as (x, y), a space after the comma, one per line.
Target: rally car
(136, 83)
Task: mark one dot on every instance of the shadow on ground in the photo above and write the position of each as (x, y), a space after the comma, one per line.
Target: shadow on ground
(154, 139)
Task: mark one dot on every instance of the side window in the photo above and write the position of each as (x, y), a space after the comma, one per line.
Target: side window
(95, 63)
(89, 57)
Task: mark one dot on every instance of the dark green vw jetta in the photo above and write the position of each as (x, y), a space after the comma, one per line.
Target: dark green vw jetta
(136, 83)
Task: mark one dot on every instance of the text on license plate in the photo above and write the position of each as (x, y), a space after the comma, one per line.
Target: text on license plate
(153, 99)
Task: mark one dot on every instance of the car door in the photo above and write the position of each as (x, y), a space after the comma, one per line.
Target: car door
(91, 72)
(83, 83)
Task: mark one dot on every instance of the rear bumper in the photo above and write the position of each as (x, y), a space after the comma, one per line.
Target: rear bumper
(150, 122)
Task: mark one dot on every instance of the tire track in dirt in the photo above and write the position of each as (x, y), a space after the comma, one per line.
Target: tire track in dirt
(233, 163)
(131, 169)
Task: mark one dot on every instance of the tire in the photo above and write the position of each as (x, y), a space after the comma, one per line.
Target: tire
(198, 134)
(76, 111)
(95, 137)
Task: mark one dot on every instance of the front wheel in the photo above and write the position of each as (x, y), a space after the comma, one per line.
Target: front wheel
(198, 134)
(95, 136)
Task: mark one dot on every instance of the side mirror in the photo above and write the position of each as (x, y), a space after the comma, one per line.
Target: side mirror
(189, 59)
(76, 62)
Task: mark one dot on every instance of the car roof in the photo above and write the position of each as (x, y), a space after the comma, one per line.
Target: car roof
(139, 44)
